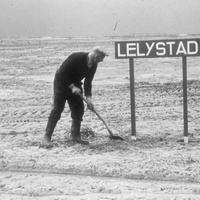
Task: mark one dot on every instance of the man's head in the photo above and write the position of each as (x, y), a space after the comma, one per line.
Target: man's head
(98, 55)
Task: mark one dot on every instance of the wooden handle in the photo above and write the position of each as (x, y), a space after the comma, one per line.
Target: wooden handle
(84, 99)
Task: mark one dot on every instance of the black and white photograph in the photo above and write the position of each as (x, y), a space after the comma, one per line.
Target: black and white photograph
(100, 99)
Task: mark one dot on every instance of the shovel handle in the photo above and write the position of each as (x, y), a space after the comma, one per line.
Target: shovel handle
(84, 99)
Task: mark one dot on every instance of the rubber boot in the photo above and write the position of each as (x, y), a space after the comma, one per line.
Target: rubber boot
(46, 142)
(75, 132)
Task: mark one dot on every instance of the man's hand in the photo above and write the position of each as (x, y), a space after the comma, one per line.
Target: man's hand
(90, 104)
(75, 90)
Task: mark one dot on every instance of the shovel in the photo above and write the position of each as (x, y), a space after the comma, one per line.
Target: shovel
(112, 136)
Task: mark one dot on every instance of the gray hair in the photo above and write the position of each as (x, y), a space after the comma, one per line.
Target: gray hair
(100, 51)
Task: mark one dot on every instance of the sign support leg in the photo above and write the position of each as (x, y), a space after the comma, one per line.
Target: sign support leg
(185, 106)
(132, 94)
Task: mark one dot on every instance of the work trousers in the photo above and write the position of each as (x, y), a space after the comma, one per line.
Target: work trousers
(75, 103)
(63, 94)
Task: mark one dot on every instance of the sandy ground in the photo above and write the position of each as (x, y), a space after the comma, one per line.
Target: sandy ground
(158, 165)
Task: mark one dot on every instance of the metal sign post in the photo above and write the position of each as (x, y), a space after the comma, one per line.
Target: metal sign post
(132, 95)
(185, 106)
(154, 49)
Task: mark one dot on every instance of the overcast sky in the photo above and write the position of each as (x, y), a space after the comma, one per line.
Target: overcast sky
(63, 18)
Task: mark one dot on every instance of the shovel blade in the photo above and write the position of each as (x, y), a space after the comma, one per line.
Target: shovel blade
(115, 137)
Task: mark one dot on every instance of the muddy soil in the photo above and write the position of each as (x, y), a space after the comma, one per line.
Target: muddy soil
(158, 165)
(51, 186)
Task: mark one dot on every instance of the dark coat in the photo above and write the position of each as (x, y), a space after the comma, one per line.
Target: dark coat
(73, 70)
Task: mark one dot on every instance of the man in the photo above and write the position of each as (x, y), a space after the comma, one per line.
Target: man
(68, 87)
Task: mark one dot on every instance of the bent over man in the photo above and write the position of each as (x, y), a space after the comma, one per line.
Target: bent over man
(68, 87)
